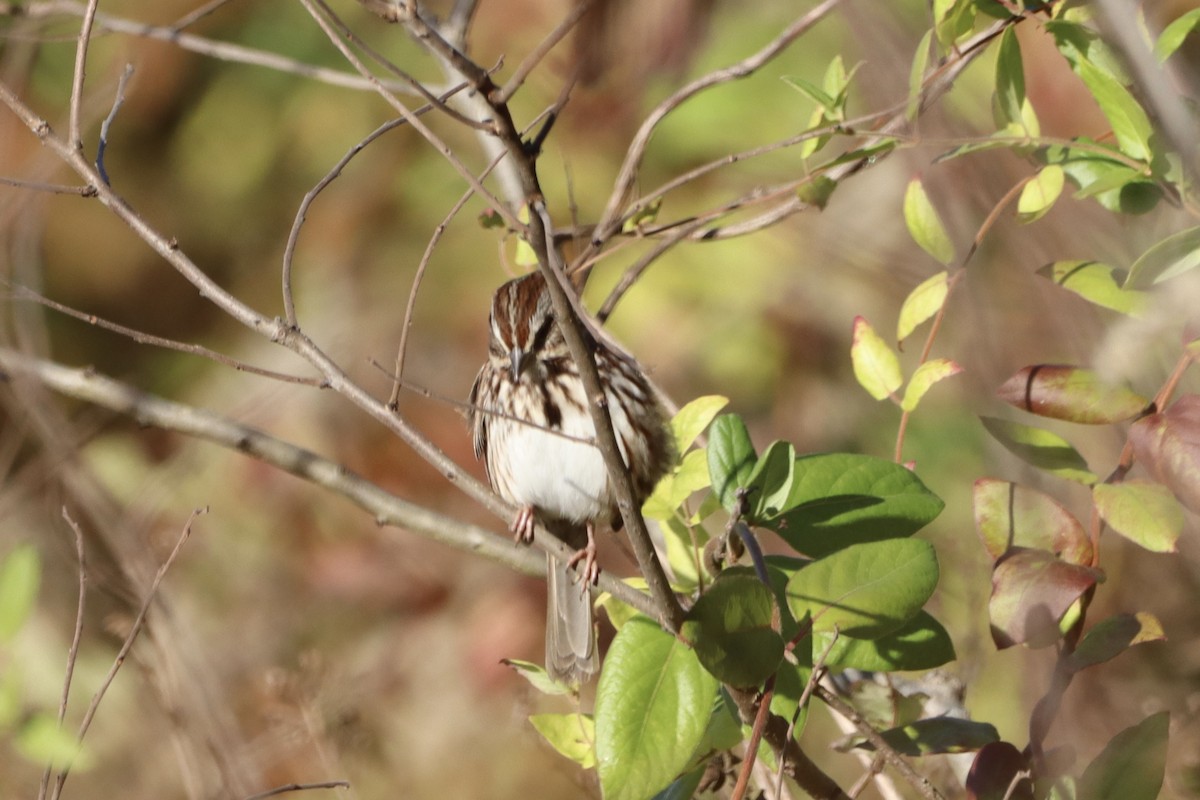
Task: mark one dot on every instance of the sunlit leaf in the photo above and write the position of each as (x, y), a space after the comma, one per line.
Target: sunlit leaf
(731, 628)
(876, 366)
(1112, 183)
(1039, 195)
(924, 378)
(866, 590)
(1071, 394)
(653, 705)
(938, 735)
(1167, 259)
(1009, 515)
(1097, 283)
(690, 476)
(1041, 448)
(1132, 764)
(925, 225)
(618, 611)
(922, 303)
(840, 499)
(1031, 590)
(1129, 122)
(921, 643)
(1168, 446)
(536, 675)
(691, 420)
(731, 457)
(684, 552)
(770, 483)
(1109, 638)
(572, 735)
(1145, 513)
(1174, 34)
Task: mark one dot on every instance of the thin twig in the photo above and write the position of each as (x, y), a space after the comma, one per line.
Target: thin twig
(21, 292)
(102, 146)
(130, 638)
(73, 652)
(192, 17)
(299, 787)
(52, 188)
(535, 56)
(74, 136)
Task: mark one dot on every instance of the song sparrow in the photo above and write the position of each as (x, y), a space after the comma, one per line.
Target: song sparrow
(531, 426)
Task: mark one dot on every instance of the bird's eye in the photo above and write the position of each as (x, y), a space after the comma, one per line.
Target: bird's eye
(542, 333)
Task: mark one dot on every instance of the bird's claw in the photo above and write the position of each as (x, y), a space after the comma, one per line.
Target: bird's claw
(522, 526)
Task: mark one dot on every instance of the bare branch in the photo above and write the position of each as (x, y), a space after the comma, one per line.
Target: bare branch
(299, 787)
(52, 188)
(118, 99)
(74, 136)
(535, 56)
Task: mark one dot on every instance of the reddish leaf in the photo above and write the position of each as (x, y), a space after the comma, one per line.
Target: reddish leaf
(1071, 394)
(1031, 590)
(1168, 445)
(1008, 515)
(992, 773)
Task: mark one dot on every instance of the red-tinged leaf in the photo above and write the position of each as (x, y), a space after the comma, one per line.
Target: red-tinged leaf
(1109, 638)
(1031, 590)
(1168, 445)
(1131, 765)
(924, 378)
(1008, 515)
(1071, 394)
(1145, 513)
(993, 771)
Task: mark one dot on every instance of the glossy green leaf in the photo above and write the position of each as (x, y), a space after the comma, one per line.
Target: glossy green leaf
(731, 628)
(1169, 258)
(921, 643)
(927, 737)
(866, 590)
(876, 366)
(1109, 638)
(653, 704)
(925, 225)
(1041, 448)
(536, 675)
(1168, 446)
(770, 483)
(1132, 764)
(572, 735)
(916, 76)
(1039, 195)
(922, 303)
(1071, 394)
(1097, 283)
(840, 499)
(1008, 515)
(731, 457)
(20, 576)
(1031, 591)
(691, 420)
(690, 476)
(1173, 36)
(1145, 513)
(924, 378)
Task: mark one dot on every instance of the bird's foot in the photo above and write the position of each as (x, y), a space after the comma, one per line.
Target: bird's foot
(522, 526)
(590, 573)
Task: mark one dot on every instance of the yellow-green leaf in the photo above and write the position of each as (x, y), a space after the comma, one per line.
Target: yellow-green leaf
(572, 735)
(924, 224)
(876, 366)
(1144, 513)
(925, 377)
(1040, 194)
(922, 303)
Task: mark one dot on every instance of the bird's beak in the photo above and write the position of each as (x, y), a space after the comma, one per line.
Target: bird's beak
(518, 361)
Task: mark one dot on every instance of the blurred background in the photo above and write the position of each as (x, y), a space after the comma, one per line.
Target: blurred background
(296, 641)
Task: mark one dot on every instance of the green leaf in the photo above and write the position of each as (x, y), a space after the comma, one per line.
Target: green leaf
(42, 741)
(536, 675)
(653, 704)
(840, 499)
(816, 191)
(1109, 638)
(685, 787)
(644, 215)
(20, 575)
(490, 218)
(1167, 259)
(1173, 35)
(1008, 515)
(1070, 394)
(731, 457)
(824, 100)
(1039, 195)
(1010, 83)
(618, 611)
(927, 737)
(1031, 591)
(572, 735)
(731, 629)
(952, 20)
(770, 483)
(1132, 764)
(1004, 142)
(924, 378)
(876, 366)
(691, 420)
(866, 590)
(1114, 184)
(1041, 448)
(684, 552)
(916, 76)
(1097, 283)
(1129, 122)
(921, 643)
(922, 303)
(690, 476)
(1145, 513)
(924, 224)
